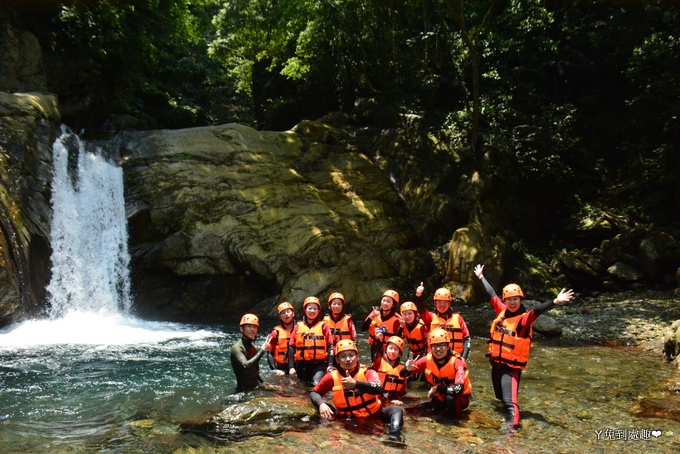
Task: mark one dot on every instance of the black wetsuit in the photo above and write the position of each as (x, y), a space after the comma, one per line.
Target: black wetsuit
(245, 361)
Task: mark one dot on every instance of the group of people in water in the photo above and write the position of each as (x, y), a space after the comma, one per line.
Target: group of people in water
(322, 352)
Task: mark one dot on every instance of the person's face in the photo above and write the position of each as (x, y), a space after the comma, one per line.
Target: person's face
(442, 305)
(348, 359)
(386, 303)
(312, 311)
(408, 316)
(286, 316)
(513, 303)
(249, 331)
(336, 306)
(392, 351)
(440, 350)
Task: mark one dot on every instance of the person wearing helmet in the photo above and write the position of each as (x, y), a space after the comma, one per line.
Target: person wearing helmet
(356, 390)
(510, 341)
(311, 344)
(413, 329)
(446, 372)
(245, 358)
(444, 317)
(382, 323)
(280, 339)
(339, 322)
(389, 367)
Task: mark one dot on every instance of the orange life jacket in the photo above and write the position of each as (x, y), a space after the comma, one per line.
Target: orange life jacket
(416, 338)
(280, 352)
(392, 382)
(352, 402)
(505, 345)
(340, 329)
(391, 324)
(446, 375)
(453, 328)
(310, 343)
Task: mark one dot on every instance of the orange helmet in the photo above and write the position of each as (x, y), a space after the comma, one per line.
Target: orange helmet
(392, 294)
(438, 336)
(250, 319)
(335, 295)
(442, 294)
(311, 300)
(285, 305)
(398, 341)
(345, 344)
(408, 306)
(511, 290)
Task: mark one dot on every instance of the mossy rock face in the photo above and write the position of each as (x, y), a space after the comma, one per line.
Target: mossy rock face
(29, 124)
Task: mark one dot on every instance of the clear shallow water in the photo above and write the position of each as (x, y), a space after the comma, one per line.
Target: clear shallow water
(134, 396)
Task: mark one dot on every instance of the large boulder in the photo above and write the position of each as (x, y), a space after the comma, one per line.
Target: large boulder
(223, 218)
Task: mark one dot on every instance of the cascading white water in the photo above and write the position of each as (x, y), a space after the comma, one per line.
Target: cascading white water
(90, 260)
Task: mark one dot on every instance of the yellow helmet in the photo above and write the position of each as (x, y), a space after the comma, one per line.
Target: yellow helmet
(398, 341)
(345, 344)
(311, 300)
(438, 336)
(392, 294)
(408, 306)
(442, 294)
(250, 319)
(511, 290)
(335, 295)
(285, 305)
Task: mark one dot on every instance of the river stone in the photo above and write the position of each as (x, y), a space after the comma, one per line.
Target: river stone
(266, 408)
(547, 325)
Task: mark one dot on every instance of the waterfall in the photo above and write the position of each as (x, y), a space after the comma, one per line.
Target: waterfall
(90, 259)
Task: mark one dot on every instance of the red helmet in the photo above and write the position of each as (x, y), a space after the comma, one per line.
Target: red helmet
(511, 290)
(285, 305)
(335, 295)
(250, 319)
(392, 294)
(443, 294)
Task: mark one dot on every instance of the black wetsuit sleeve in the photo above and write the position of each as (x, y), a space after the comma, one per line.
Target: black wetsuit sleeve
(369, 387)
(466, 347)
(487, 287)
(270, 361)
(316, 398)
(366, 324)
(418, 301)
(291, 356)
(544, 307)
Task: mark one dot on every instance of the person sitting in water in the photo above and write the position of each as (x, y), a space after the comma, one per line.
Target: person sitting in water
(389, 368)
(245, 358)
(356, 391)
(280, 339)
(446, 372)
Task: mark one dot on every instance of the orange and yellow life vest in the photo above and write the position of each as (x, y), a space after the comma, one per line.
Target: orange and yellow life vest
(280, 351)
(392, 382)
(353, 402)
(446, 374)
(453, 328)
(310, 343)
(340, 329)
(416, 338)
(505, 345)
(391, 325)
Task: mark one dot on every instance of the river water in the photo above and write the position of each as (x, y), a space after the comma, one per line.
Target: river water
(91, 377)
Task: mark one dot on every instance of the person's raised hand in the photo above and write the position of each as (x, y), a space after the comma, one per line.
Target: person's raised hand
(564, 296)
(479, 271)
(420, 289)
